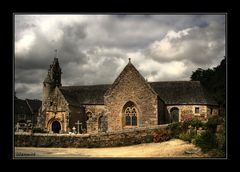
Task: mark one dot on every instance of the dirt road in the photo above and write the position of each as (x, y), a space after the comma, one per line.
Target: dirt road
(169, 149)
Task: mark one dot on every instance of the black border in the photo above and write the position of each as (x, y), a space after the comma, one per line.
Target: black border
(122, 7)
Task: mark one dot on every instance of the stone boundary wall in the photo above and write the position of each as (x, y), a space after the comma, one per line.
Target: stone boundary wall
(109, 139)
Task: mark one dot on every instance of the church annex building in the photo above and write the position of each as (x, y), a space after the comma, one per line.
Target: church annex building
(129, 102)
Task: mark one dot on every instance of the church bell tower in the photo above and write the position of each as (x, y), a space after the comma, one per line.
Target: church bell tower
(52, 80)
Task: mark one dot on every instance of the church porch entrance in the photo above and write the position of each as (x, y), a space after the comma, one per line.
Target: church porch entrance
(56, 127)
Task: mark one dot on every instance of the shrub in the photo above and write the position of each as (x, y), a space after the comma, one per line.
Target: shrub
(196, 123)
(221, 141)
(186, 117)
(212, 123)
(188, 136)
(207, 141)
(160, 136)
(175, 129)
(185, 124)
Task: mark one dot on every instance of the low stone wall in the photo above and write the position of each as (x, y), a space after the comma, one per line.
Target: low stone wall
(111, 139)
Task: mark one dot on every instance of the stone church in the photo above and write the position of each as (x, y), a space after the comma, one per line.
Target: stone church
(128, 103)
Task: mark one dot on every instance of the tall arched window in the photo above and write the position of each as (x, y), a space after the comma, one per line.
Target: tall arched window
(130, 114)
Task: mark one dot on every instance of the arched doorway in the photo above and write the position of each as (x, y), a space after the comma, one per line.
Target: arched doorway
(174, 112)
(56, 127)
(130, 115)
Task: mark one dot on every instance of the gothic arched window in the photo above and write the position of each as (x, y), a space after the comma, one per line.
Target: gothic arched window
(130, 114)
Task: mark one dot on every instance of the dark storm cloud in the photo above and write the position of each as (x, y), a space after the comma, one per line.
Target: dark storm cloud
(94, 49)
(128, 33)
(30, 91)
(74, 33)
(29, 76)
(70, 44)
(31, 67)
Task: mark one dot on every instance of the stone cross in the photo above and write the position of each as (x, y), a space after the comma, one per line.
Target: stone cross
(78, 123)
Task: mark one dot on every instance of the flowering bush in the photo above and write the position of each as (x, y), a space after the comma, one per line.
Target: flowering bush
(160, 136)
(186, 117)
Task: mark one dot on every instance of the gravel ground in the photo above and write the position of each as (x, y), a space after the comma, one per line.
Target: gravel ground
(169, 149)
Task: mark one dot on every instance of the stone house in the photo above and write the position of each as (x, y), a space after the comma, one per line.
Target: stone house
(26, 112)
(128, 103)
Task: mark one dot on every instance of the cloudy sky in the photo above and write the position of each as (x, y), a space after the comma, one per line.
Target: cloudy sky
(93, 49)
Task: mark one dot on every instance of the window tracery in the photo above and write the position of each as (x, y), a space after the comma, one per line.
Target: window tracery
(130, 116)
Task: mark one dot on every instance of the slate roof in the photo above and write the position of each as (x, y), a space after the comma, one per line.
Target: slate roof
(27, 106)
(21, 107)
(171, 92)
(92, 94)
(34, 104)
(182, 92)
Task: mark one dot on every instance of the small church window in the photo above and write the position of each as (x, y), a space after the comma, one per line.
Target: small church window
(89, 115)
(196, 109)
(211, 111)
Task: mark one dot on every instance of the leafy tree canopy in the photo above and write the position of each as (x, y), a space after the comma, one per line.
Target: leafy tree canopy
(214, 81)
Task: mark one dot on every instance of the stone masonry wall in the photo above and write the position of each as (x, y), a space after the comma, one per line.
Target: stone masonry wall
(96, 111)
(77, 114)
(55, 109)
(56, 116)
(110, 139)
(186, 111)
(131, 87)
(212, 110)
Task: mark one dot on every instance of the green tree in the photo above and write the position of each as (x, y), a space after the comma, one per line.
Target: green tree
(214, 81)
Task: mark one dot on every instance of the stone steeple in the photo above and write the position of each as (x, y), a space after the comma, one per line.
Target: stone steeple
(52, 80)
(54, 74)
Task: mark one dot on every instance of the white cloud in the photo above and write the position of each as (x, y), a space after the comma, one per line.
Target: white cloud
(155, 71)
(169, 48)
(24, 44)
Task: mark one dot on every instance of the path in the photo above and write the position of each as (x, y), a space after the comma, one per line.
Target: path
(172, 148)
